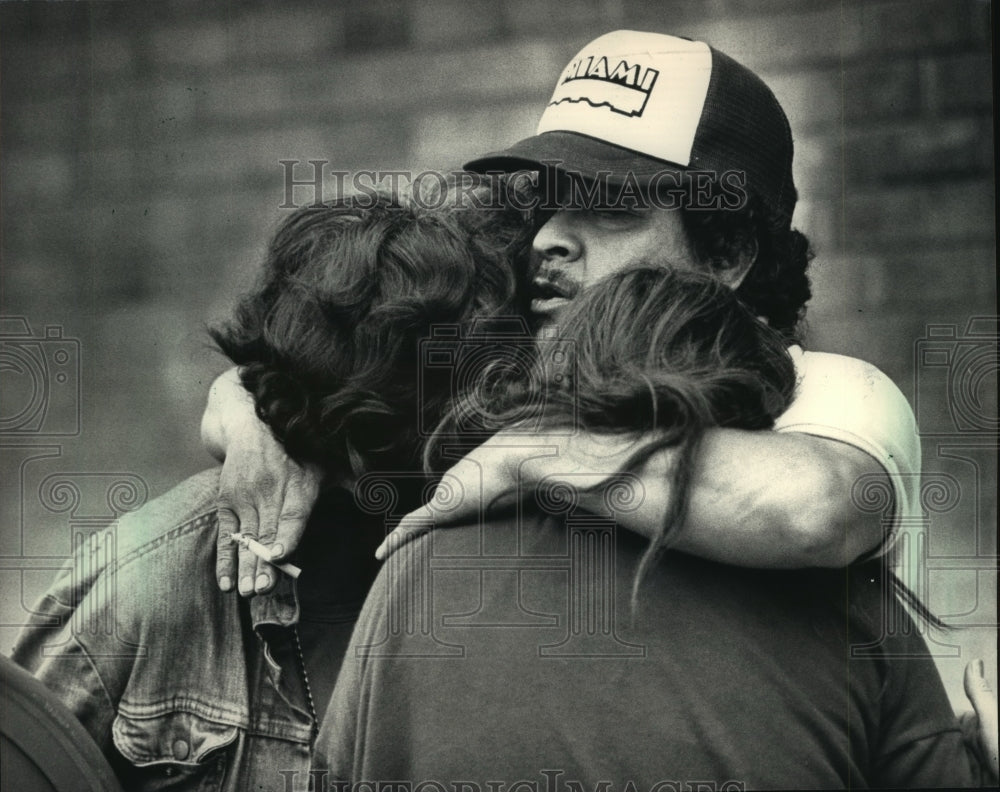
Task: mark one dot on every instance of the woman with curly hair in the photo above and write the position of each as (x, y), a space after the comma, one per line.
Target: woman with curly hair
(183, 686)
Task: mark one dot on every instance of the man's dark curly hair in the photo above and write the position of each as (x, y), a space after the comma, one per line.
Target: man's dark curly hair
(328, 342)
(777, 284)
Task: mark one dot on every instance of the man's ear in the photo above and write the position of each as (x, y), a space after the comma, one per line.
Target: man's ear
(732, 273)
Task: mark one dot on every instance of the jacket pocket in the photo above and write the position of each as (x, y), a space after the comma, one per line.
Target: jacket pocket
(176, 750)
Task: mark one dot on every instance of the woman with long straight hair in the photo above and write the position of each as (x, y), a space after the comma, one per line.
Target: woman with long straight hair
(543, 646)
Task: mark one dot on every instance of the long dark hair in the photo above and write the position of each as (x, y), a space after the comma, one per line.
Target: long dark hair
(659, 352)
(329, 340)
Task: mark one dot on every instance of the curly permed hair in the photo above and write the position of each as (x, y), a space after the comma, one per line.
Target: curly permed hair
(777, 284)
(328, 342)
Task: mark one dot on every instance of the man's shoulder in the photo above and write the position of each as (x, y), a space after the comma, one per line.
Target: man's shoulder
(184, 515)
(836, 386)
(832, 364)
(149, 571)
(159, 565)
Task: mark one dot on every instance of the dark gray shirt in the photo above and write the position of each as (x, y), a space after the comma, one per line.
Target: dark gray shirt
(510, 653)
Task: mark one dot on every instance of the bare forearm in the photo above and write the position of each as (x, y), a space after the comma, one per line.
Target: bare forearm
(763, 499)
(767, 499)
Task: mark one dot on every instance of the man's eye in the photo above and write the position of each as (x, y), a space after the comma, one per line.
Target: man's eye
(616, 215)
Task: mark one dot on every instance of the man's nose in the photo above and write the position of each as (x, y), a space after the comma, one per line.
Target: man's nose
(558, 239)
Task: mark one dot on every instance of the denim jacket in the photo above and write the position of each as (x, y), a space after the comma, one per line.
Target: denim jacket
(182, 686)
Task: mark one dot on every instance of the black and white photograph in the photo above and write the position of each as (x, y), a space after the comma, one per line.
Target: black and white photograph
(498, 395)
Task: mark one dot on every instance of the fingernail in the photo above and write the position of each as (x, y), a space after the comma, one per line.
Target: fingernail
(981, 668)
(263, 581)
(277, 549)
(246, 585)
(226, 583)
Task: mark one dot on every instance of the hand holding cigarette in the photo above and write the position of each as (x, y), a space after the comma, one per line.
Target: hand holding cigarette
(261, 551)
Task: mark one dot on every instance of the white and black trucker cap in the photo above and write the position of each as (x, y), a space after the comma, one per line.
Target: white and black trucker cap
(644, 103)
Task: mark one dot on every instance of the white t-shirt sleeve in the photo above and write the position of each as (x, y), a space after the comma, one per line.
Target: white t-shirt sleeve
(851, 401)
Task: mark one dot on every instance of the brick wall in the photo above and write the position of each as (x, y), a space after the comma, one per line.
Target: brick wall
(140, 178)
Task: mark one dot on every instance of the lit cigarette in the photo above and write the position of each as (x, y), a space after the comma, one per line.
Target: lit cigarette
(260, 551)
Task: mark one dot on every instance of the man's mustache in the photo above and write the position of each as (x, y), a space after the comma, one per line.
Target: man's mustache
(549, 281)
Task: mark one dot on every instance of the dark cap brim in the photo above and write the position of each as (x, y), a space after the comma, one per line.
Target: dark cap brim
(572, 152)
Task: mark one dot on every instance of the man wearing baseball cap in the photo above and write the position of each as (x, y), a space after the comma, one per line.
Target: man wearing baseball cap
(660, 149)
(663, 151)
